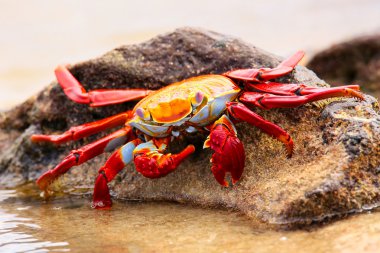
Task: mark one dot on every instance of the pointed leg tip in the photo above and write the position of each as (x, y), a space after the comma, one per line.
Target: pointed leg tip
(38, 138)
(55, 139)
(300, 53)
(101, 198)
(45, 194)
(101, 205)
(359, 95)
(62, 68)
(45, 180)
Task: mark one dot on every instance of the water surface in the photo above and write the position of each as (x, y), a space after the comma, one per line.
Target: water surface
(67, 223)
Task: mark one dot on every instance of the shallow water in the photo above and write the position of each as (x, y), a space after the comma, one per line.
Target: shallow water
(67, 223)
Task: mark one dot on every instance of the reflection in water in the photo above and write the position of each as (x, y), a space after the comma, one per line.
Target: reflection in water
(27, 224)
(14, 236)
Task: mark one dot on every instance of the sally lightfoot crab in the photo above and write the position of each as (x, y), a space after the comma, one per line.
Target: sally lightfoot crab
(212, 103)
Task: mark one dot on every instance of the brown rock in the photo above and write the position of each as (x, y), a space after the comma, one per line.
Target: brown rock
(353, 61)
(334, 170)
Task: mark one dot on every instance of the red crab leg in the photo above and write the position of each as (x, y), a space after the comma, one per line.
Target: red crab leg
(228, 154)
(283, 68)
(241, 112)
(290, 89)
(79, 132)
(76, 92)
(269, 101)
(150, 161)
(83, 154)
(264, 74)
(117, 161)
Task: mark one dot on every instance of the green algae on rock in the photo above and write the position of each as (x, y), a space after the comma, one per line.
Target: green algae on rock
(334, 170)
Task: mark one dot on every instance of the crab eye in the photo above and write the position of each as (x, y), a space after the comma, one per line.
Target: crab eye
(144, 114)
(197, 99)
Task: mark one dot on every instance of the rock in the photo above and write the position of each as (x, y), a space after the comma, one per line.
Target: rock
(334, 170)
(353, 61)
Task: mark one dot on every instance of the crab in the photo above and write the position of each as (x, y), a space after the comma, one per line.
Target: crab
(212, 103)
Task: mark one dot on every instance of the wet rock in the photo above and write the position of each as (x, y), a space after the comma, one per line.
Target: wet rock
(353, 61)
(334, 170)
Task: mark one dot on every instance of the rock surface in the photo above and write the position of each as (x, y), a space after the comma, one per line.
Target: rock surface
(353, 61)
(334, 171)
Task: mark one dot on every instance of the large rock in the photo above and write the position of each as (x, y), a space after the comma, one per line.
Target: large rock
(352, 61)
(334, 170)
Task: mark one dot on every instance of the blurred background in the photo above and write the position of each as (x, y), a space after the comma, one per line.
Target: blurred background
(37, 35)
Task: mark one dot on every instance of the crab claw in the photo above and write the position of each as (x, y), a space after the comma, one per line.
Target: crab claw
(228, 150)
(151, 161)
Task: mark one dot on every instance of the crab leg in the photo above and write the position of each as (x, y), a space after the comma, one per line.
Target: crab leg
(291, 89)
(83, 154)
(283, 68)
(152, 163)
(241, 112)
(76, 92)
(228, 154)
(117, 161)
(79, 132)
(269, 101)
(148, 160)
(264, 74)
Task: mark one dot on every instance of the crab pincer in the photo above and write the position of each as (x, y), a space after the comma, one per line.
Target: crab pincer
(228, 150)
(209, 101)
(152, 163)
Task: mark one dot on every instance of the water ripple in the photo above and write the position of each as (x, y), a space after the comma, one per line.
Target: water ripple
(12, 240)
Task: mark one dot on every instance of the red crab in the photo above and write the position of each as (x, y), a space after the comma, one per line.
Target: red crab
(208, 102)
